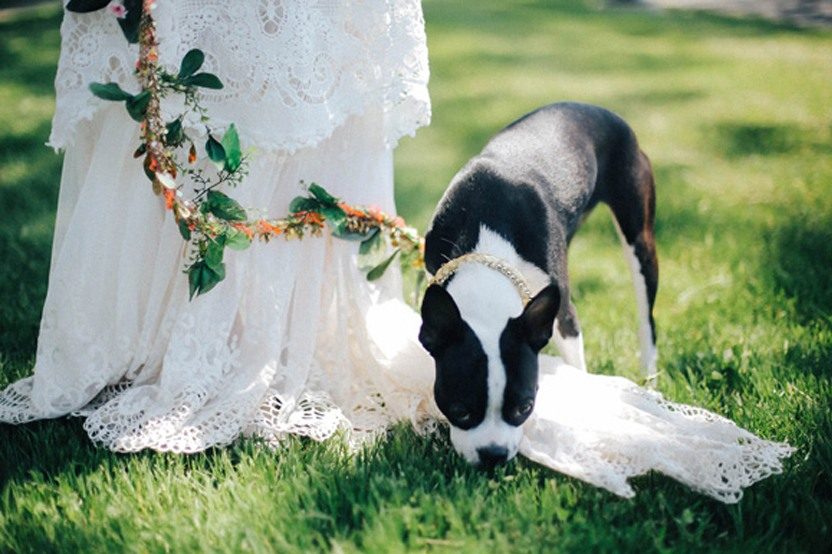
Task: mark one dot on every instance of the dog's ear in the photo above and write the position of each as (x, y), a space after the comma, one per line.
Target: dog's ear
(538, 317)
(441, 320)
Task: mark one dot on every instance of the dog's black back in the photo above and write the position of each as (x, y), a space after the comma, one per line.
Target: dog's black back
(555, 163)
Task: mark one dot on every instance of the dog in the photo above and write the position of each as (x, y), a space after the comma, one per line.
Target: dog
(497, 252)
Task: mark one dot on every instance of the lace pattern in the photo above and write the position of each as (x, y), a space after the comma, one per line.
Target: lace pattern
(300, 67)
(605, 430)
(277, 349)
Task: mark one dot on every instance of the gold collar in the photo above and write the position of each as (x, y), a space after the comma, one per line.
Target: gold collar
(495, 263)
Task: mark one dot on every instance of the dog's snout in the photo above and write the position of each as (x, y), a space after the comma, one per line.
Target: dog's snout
(493, 455)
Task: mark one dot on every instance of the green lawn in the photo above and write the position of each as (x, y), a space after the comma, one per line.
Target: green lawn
(737, 118)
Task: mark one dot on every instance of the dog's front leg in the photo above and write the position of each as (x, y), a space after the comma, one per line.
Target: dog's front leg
(568, 337)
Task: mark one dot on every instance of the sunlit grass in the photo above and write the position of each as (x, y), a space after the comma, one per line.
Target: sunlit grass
(737, 118)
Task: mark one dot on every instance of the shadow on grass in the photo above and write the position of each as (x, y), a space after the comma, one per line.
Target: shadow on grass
(28, 204)
(680, 217)
(29, 173)
(35, 73)
(406, 488)
(800, 262)
(658, 99)
(579, 62)
(46, 450)
(739, 140)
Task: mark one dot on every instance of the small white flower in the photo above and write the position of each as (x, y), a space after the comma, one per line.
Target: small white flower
(166, 180)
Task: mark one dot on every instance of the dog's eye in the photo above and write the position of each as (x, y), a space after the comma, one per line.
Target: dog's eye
(460, 414)
(524, 409)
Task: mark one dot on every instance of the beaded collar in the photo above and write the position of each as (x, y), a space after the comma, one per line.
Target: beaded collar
(501, 266)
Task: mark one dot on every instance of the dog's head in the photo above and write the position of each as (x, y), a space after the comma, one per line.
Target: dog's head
(486, 379)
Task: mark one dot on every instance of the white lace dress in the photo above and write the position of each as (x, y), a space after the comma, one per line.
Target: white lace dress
(295, 340)
(321, 91)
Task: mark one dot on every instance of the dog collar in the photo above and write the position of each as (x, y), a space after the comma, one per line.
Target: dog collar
(497, 264)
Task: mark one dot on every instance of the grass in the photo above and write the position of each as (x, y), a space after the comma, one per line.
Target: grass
(737, 118)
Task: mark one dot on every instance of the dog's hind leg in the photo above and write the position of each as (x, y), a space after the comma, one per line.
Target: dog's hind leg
(633, 205)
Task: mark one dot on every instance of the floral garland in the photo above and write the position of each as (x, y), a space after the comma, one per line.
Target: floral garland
(212, 221)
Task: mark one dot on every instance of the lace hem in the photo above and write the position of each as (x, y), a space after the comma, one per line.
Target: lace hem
(606, 430)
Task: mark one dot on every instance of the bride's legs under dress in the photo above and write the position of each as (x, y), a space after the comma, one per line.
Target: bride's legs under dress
(281, 346)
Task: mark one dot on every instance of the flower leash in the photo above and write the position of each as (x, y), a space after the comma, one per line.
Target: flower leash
(211, 221)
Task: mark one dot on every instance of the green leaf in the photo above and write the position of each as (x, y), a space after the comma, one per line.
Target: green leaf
(137, 105)
(184, 230)
(337, 220)
(212, 278)
(231, 144)
(130, 23)
(371, 251)
(175, 135)
(379, 270)
(334, 215)
(192, 61)
(371, 244)
(236, 239)
(109, 91)
(204, 80)
(321, 194)
(214, 254)
(194, 278)
(224, 207)
(202, 278)
(216, 152)
(86, 6)
(303, 204)
(418, 287)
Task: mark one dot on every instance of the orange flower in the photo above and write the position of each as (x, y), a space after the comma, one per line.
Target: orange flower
(349, 210)
(310, 218)
(170, 198)
(266, 228)
(152, 164)
(398, 222)
(313, 218)
(376, 213)
(192, 154)
(245, 229)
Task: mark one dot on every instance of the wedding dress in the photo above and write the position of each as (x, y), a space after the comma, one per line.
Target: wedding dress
(295, 341)
(322, 91)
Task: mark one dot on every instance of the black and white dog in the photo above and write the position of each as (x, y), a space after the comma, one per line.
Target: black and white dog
(497, 250)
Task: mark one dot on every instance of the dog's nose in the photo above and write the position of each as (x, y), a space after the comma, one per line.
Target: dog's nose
(493, 455)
